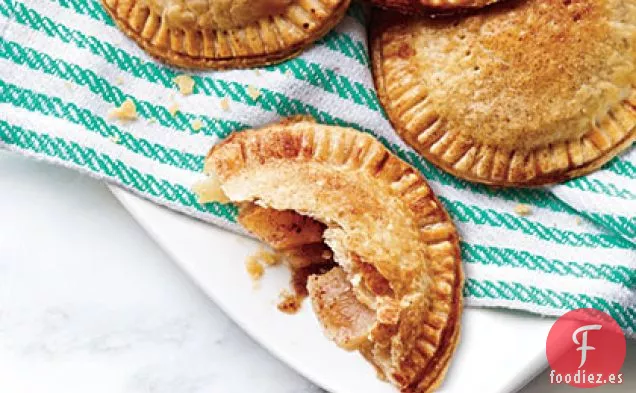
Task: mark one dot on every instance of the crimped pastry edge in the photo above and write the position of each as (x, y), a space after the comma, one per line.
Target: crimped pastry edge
(431, 376)
(600, 142)
(183, 60)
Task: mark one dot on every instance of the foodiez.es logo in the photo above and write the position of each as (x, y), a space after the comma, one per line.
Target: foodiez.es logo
(586, 348)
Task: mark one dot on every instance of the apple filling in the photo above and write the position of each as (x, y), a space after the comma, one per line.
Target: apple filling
(350, 297)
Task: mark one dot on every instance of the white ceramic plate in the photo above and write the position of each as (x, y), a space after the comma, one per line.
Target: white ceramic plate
(499, 351)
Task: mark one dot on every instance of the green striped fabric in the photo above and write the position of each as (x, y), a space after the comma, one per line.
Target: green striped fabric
(64, 65)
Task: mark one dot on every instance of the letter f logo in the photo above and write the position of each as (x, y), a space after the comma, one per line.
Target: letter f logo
(584, 347)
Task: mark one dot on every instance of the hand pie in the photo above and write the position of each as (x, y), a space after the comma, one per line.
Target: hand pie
(525, 92)
(222, 34)
(421, 6)
(395, 295)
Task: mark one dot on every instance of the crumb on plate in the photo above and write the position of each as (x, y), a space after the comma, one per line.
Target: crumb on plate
(254, 268)
(256, 263)
(268, 258)
(289, 303)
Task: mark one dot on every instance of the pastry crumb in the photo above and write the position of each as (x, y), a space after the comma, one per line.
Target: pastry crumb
(257, 72)
(173, 109)
(523, 210)
(197, 124)
(68, 85)
(254, 268)
(253, 92)
(268, 258)
(119, 81)
(185, 84)
(289, 303)
(152, 120)
(127, 111)
(257, 262)
(225, 104)
(115, 139)
(578, 220)
(289, 73)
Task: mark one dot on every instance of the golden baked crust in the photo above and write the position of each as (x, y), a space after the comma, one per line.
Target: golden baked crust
(427, 6)
(223, 34)
(386, 229)
(525, 92)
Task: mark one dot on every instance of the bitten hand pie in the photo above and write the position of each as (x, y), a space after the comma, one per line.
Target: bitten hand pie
(221, 34)
(396, 294)
(421, 6)
(525, 92)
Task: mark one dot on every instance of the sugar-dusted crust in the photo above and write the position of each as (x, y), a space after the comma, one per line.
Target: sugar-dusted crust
(224, 34)
(427, 6)
(526, 92)
(377, 210)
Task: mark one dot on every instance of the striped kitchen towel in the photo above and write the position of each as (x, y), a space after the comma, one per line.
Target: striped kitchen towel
(64, 66)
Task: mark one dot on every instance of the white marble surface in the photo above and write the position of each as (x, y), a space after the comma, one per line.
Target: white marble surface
(88, 303)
